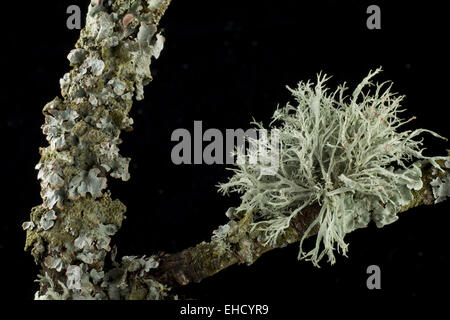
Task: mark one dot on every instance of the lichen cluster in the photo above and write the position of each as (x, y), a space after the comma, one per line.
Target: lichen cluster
(70, 233)
(346, 153)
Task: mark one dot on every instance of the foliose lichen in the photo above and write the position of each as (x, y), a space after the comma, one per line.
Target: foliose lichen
(441, 188)
(70, 233)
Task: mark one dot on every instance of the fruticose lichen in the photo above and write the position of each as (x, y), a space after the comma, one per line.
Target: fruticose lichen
(345, 153)
(70, 233)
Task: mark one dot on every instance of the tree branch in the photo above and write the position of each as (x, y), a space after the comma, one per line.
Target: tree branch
(70, 232)
(208, 258)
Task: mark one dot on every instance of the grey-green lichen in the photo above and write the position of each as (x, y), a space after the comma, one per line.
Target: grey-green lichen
(220, 237)
(70, 233)
(118, 285)
(441, 185)
(346, 153)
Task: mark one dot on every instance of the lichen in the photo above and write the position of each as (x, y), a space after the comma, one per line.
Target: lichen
(345, 153)
(70, 233)
(129, 280)
(441, 188)
(220, 237)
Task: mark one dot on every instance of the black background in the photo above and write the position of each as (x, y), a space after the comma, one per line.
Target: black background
(225, 62)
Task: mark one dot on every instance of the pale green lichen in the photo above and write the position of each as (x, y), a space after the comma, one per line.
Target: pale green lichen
(441, 188)
(345, 153)
(219, 237)
(117, 285)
